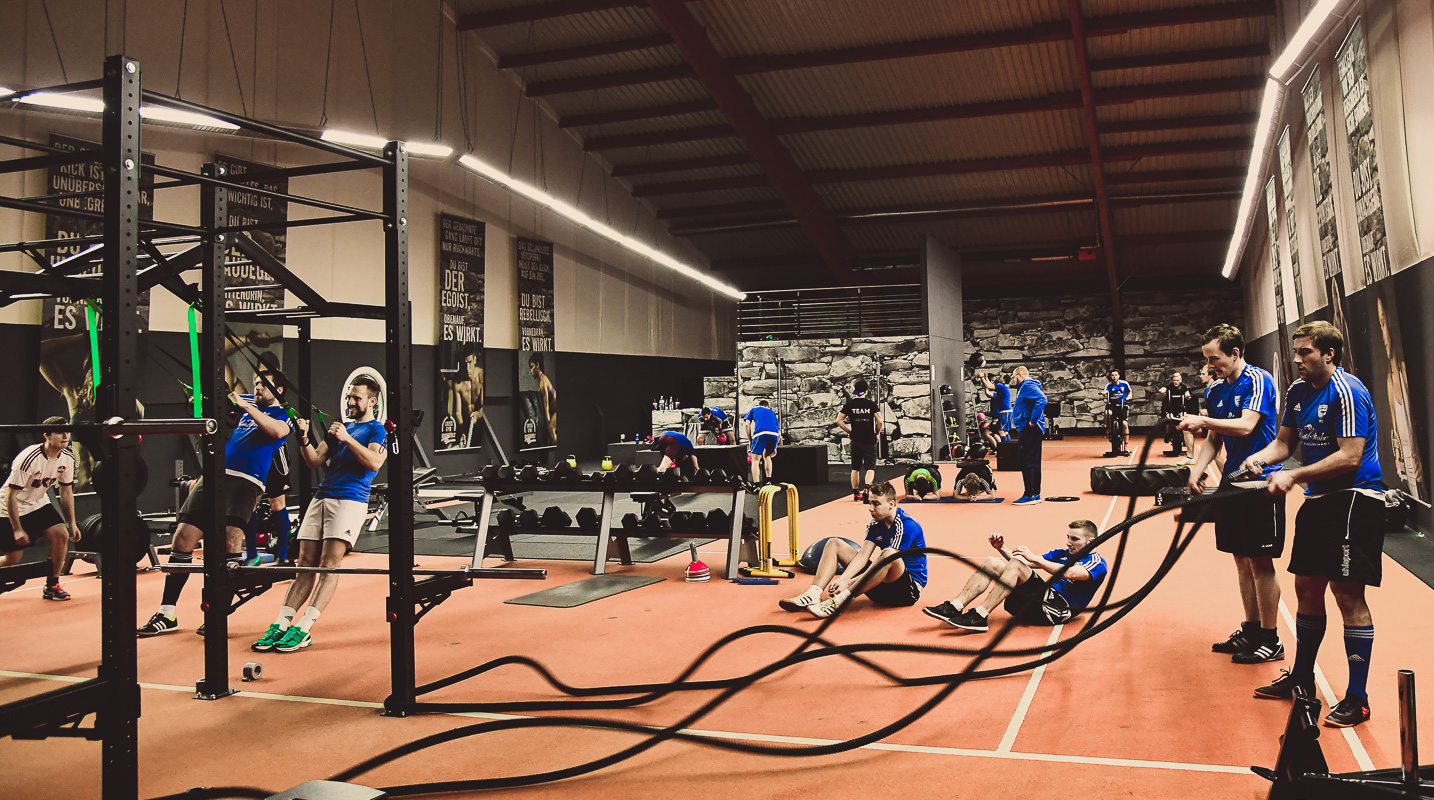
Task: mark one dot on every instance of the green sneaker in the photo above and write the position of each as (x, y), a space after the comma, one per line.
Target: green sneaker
(295, 638)
(270, 638)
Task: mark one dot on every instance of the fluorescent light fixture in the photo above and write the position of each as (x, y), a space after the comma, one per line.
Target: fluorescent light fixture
(371, 142)
(69, 102)
(5, 92)
(1315, 20)
(1264, 129)
(165, 114)
(546, 200)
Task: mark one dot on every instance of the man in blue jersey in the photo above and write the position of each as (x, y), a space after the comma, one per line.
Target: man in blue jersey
(247, 459)
(1117, 407)
(763, 431)
(335, 516)
(1000, 393)
(1339, 531)
(896, 584)
(1251, 527)
(1028, 419)
(1030, 598)
(716, 427)
(676, 450)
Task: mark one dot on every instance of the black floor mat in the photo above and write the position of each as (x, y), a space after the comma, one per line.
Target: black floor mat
(439, 541)
(584, 591)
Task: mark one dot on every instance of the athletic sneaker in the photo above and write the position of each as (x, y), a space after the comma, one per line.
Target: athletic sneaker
(270, 638)
(1028, 500)
(945, 611)
(158, 624)
(295, 638)
(825, 608)
(200, 630)
(856, 495)
(54, 592)
(1349, 712)
(1283, 687)
(798, 603)
(1238, 642)
(1269, 650)
(971, 621)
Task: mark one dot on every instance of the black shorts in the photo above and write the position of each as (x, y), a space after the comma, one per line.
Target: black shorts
(1340, 536)
(277, 484)
(1119, 413)
(903, 591)
(237, 505)
(34, 524)
(1251, 524)
(1035, 602)
(863, 455)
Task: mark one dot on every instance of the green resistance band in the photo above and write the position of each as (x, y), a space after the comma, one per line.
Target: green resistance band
(194, 359)
(94, 342)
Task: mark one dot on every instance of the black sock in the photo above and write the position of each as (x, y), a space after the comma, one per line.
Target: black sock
(174, 581)
(1271, 635)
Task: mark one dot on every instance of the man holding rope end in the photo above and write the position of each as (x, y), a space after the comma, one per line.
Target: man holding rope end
(247, 457)
(1339, 530)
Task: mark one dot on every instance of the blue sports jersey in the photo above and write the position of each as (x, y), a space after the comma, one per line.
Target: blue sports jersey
(250, 451)
(1253, 389)
(1030, 406)
(345, 478)
(904, 533)
(684, 444)
(764, 420)
(1343, 409)
(1118, 392)
(718, 413)
(1001, 406)
(1078, 593)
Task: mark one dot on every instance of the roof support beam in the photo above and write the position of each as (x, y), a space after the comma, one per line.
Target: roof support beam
(774, 159)
(633, 114)
(1060, 101)
(1259, 50)
(1097, 168)
(1175, 175)
(1049, 32)
(978, 165)
(583, 51)
(682, 165)
(549, 10)
(1178, 123)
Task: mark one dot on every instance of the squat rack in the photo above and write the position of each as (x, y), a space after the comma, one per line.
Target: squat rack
(127, 240)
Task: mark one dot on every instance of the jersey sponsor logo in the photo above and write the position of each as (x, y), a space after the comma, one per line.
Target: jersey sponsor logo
(1355, 657)
(1237, 399)
(1297, 407)
(1323, 410)
(1311, 435)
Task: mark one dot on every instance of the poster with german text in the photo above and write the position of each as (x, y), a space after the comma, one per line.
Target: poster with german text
(537, 399)
(460, 362)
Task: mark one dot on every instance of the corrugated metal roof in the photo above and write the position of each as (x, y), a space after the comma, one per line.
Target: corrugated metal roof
(957, 190)
(1173, 217)
(934, 142)
(558, 32)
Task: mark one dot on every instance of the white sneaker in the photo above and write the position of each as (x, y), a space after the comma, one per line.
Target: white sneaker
(826, 608)
(801, 601)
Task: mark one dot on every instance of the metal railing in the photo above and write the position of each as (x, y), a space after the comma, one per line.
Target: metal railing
(835, 312)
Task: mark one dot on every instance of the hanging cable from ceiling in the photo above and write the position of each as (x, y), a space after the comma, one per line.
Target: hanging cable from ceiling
(45, 4)
(368, 76)
(233, 59)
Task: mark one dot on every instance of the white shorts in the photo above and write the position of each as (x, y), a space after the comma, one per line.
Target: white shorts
(333, 519)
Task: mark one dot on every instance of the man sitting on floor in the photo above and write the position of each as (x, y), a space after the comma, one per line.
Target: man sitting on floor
(1030, 599)
(896, 584)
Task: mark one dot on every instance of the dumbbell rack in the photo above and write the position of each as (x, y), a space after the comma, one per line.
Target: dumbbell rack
(496, 541)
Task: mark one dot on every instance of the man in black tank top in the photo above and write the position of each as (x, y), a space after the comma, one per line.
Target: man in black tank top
(861, 420)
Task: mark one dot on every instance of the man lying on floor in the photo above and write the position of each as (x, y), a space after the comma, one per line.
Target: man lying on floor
(1011, 577)
(898, 583)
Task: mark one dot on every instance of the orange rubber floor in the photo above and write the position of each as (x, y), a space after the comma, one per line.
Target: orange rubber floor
(1143, 710)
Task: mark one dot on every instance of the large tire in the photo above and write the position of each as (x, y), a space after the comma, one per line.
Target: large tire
(1136, 481)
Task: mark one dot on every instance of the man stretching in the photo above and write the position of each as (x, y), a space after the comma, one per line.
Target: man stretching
(28, 513)
(335, 516)
(247, 458)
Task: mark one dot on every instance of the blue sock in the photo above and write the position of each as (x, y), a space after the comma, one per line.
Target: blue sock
(1309, 632)
(1358, 645)
(281, 530)
(251, 535)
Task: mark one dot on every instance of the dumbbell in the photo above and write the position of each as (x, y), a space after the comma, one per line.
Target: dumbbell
(506, 472)
(507, 519)
(630, 521)
(625, 474)
(589, 519)
(654, 522)
(555, 517)
(647, 473)
(669, 477)
(717, 476)
(686, 520)
(528, 519)
(718, 521)
(529, 474)
(490, 473)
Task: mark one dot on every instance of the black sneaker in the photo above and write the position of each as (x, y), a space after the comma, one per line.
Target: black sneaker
(1269, 650)
(1238, 642)
(945, 612)
(1347, 713)
(158, 624)
(1283, 687)
(971, 621)
(856, 495)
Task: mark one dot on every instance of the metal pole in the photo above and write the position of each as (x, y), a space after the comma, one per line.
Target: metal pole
(217, 594)
(118, 720)
(1408, 728)
(399, 362)
(306, 389)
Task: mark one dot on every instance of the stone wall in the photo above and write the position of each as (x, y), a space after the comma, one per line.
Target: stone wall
(1066, 344)
(819, 377)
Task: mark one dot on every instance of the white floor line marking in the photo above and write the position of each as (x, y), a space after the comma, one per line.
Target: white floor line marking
(754, 737)
(63, 577)
(1014, 726)
(1361, 756)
